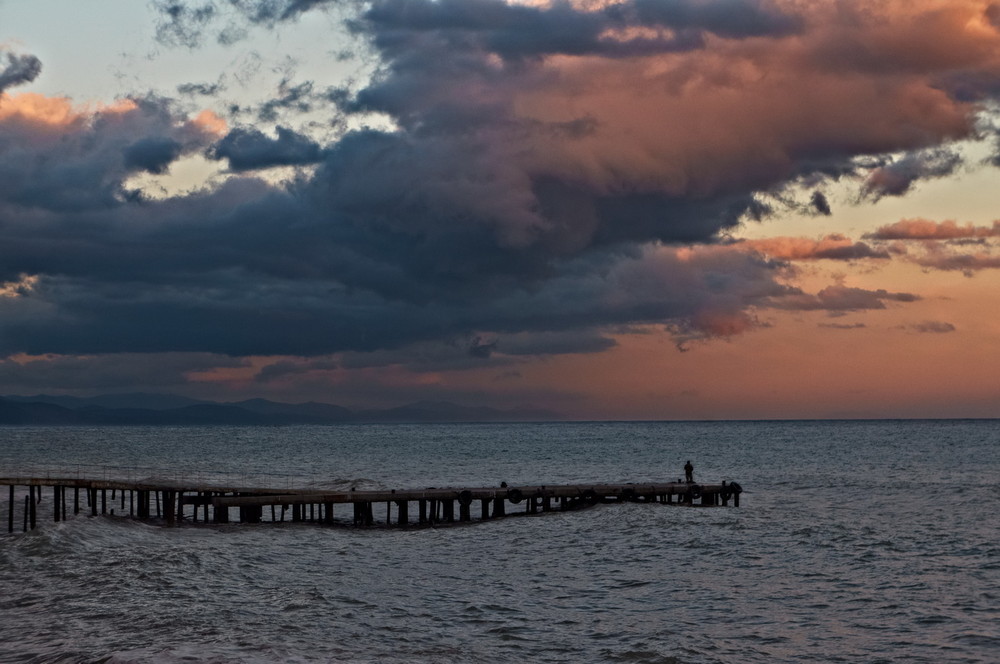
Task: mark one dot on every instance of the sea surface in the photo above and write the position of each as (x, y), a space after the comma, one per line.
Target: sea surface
(871, 541)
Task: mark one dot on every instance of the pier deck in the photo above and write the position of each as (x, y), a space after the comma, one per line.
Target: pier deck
(175, 502)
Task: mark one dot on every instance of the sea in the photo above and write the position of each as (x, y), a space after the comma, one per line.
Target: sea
(855, 541)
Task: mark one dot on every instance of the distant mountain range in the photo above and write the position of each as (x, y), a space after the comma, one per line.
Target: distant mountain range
(166, 409)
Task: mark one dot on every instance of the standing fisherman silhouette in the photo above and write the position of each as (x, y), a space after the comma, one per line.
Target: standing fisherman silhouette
(689, 472)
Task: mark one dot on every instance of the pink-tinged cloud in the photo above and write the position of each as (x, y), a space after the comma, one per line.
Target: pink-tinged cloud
(831, 247)
(951, 259)
(945, 245)
(899, 176)
(546, 169)
(59, 157)
(924, 229)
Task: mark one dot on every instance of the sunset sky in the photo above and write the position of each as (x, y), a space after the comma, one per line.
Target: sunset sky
(636, 209)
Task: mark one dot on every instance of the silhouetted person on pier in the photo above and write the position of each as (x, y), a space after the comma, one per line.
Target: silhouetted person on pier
(689, 472)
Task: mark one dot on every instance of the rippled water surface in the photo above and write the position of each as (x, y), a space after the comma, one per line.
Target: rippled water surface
(855, 542)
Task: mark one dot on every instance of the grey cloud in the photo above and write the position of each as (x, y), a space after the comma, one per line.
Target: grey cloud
(96, 372)
(844, 326)
(727, 18)
(403, 244)
(183, 24)
(153, 154)
(839, 298)
(299, 98)
(20, 69)
(510, 30)
(249, 149)
(820, 204)
(931, 327)
(482, 348)
(557, 343)
(855, 251)
(204, 89)
(897, 178)
(85, 167)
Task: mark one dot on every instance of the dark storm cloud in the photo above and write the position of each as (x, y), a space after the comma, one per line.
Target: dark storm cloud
(152, 155)
(539, 171)
(482, 348)
(510, 30)
(249, 149)
(18, 70)
(727, 18)
(81, 164)
(138, 370)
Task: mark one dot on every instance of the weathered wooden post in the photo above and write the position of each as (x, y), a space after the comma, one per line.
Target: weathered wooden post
(169, 505)
(422, 506)
(449, 510)
(485, 509)
(403, 512)
(76, 500)
(328, 513)
(27, 508)
(55, 503)
(104, 501)
(222, 514)
(31, 518)
(498, 507)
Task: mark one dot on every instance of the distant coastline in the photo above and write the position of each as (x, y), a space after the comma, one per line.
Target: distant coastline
(156, 409)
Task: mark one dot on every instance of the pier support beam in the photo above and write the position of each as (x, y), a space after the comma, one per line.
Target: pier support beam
(32, 507)
(403, 509)
(169, 505)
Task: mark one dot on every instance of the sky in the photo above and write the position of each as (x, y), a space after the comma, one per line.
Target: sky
(612, 209)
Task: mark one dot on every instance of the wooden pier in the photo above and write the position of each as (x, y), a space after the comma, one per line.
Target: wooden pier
(174, 503)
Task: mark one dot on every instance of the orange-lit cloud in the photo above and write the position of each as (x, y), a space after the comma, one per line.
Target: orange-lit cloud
(833, 247)
(545, 179)
(924, 229)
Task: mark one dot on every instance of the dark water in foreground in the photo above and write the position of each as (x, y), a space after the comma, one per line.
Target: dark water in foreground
(856, 542)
